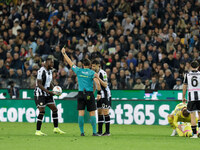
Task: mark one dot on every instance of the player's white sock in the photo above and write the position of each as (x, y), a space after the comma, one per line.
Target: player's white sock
(174, 132)
(194, 136)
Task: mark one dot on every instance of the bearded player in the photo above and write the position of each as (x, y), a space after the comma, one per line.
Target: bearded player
(104, 104)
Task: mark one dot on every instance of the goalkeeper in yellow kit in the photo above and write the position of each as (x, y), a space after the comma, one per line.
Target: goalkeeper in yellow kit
(180, 114)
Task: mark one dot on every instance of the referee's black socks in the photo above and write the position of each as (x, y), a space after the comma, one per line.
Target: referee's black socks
(55, 118)
(100, 123)
(39, 120)
(194, 129)
(107, 122)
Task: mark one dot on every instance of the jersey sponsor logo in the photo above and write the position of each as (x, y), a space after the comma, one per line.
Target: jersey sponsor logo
(85, 72)
(104, 77)
(83, 76)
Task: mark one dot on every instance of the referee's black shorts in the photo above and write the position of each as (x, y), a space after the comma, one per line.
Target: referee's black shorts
(86, 99)
(193, 106)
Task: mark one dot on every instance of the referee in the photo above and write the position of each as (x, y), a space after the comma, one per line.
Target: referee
(192, 85)
(85, 95)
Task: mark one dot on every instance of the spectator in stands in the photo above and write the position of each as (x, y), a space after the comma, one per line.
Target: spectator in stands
(32, 45)
(3, 69)
(154, 84)
(147, 84)
(114, 85)
(163, 86)
(16, 63)
(13, 90)
(122, 82)
(178, 85)
(131, 59)
(151, 31)
(43, 49)
(169, 78)
(145, 73)
(81, 45)
(139, 84)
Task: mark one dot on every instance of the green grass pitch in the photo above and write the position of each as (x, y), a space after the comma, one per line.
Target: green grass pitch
(20, 136)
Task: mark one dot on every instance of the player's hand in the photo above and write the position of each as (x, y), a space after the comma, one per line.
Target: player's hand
(52, 93)
(96, 75)
(63, 51)
(98, 97)
(184, 100)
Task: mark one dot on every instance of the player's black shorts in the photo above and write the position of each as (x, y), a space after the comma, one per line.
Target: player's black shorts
(104, 103)
(86, 99)
(42, 101)
(193, 106)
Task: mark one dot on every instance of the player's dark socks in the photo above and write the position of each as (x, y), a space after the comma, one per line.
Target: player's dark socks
(107, 123)
(194, 129)
(55, 118)
(198, 123)
(100, 123)
(39, 120)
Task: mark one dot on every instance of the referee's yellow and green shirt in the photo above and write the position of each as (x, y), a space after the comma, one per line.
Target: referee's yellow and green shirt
(85, 78)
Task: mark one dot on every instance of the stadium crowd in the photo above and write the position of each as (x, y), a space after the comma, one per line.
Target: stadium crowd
(141, 44)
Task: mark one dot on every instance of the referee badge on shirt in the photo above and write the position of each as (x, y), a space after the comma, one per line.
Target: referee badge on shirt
(88, 98)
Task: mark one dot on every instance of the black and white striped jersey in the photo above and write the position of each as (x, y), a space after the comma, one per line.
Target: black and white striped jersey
(46, 77)
(192, 79)
(105, 92)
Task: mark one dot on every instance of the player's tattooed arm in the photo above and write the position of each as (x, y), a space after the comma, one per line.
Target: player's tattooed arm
(39, 82)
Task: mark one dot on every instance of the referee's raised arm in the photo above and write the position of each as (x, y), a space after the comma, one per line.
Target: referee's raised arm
(67, 58)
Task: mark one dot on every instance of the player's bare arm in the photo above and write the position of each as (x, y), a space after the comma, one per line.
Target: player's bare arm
(51, 85)
(184, 92)
(98, 88)
(66, 57)
(179, 127)
(39, 82)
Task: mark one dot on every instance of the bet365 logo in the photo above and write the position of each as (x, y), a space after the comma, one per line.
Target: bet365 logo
(147, 114)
